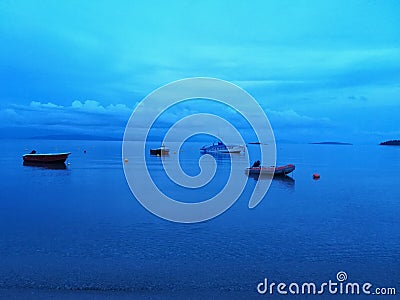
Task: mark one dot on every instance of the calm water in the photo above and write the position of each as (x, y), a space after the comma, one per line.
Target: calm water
(79, 233)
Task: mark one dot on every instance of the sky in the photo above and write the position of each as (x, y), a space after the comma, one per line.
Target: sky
(321, 70)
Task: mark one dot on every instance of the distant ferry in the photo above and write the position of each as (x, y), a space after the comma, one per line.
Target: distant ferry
(222, 148)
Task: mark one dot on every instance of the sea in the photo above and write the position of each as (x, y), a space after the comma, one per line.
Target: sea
(79, 233)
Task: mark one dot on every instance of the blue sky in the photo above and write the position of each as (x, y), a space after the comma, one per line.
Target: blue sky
(321, 70)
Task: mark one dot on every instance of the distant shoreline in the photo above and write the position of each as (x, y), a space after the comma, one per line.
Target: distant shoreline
(330, 143)
(157, 139)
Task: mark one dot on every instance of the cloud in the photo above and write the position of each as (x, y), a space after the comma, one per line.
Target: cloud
(83, 117)
(357, 98)
(309, 66)
(9, 116)
(95, 107)
(37, 104)
(292, 119)
(88, 106)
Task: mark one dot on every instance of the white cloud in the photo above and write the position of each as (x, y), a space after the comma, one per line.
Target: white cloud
(36, 104)
(77, 115)
(96, 107)
(291, 118)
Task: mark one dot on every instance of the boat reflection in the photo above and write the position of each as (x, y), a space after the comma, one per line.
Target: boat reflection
(283, 180)
(50, 166)
(216, 155)
(261, 176)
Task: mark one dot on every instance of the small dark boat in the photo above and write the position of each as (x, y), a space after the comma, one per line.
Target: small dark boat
(46, 158)
(277, 171)
(160, 151)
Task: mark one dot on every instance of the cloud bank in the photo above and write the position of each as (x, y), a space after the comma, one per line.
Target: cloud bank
(316, 67)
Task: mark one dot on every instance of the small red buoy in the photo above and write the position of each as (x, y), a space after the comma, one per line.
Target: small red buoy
(316, 176)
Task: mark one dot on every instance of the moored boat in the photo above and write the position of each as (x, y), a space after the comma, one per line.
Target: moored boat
(163, 150)
(221, 148)
(277, 171)
(46, 158)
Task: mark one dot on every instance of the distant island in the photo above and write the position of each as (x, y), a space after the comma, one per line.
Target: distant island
(331, 143)
(391, 143)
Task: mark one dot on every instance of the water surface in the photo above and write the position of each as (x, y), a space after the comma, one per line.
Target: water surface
(78, 232)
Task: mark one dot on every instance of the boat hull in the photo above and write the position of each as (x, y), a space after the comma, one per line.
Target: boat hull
(159, 152)
(50, 158)
(278, 171)
(232, 149)
(260, 171)
(283, 170)
(222, 148)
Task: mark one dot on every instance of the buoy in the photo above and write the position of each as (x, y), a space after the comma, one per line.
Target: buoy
(126, 160)
(84, 151)
(316, 176)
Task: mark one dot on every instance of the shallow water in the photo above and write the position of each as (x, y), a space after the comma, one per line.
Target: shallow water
(78, 232)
